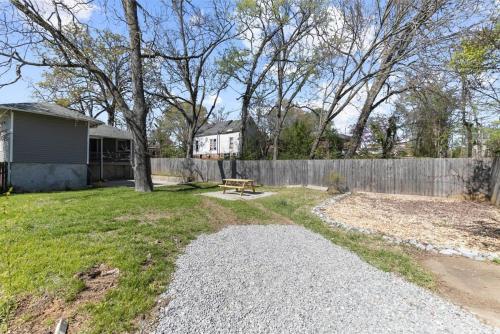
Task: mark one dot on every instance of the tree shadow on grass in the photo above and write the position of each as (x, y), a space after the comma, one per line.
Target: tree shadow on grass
(188, 187)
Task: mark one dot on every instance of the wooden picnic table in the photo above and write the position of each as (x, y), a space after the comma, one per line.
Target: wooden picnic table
(238, 184)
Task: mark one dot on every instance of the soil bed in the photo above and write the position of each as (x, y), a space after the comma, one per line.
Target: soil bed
(442, 222)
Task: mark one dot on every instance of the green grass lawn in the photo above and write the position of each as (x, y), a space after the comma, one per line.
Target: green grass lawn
(48, 238)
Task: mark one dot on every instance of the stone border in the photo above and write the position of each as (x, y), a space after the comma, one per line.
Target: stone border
(320, 211)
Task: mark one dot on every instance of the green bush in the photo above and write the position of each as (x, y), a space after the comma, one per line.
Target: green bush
(336, 183)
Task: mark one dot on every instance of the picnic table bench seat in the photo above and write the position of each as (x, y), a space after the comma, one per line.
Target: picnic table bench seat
(230, 187)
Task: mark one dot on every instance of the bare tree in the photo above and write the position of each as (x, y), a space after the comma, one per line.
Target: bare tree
(296, 61)
(351, 46)
(407, 25)
(77, 89)
(261, 23)
(29, 28)
(364, 43)
(191, 83)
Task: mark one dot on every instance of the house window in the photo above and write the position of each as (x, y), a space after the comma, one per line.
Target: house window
(231, 143)
(213, 144)
(196, 145)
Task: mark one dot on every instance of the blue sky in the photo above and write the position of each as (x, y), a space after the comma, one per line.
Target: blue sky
(21, 90)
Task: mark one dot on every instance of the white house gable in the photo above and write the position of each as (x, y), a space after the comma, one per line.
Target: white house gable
(222, 139)
(225, 143)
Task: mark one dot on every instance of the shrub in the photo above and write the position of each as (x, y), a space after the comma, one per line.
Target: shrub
(336, 183)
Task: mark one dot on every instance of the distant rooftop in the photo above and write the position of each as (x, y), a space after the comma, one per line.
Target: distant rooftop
(343, 137)
(219, 128)
(108, 131)
(49, 109)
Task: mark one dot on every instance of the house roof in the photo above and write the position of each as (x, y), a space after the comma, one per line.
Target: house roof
(49, 109)
(343, 137)
(107, 131)
(231, 126)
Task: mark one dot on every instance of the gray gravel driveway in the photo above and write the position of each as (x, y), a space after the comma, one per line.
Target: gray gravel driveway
(286, 279)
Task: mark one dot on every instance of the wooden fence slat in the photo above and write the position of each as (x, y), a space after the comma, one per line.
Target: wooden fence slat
(494, 185)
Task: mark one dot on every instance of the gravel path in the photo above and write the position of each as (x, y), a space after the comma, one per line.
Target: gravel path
(285, 279)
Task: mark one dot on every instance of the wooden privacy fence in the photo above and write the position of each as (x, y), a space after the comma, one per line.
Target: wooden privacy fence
(419, 176)
(495, 182)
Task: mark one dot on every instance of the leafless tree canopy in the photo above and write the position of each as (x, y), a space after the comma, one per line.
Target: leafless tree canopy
(326, 57)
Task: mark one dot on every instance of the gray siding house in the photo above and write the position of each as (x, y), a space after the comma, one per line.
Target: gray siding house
(44, 146)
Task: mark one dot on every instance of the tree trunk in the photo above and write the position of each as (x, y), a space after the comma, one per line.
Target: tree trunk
(111, 117)
(357, 133)
(466, 124)
(137, 121)
(245, 106)
(479, 137)
(317, 140)
(275, 146)
(470, 140)
(141, 162)
(190, 141)
(189, 149)
(277, 131)
(367, 109)
(390, 138)
(279, 104)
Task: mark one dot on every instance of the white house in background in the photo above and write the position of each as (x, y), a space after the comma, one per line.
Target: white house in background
(221, 140)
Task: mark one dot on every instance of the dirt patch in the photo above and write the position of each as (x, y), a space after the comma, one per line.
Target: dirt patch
(441, 222)
(472, 284)
(40, 314)
(98, 280)
(219, 216)
(276, 217)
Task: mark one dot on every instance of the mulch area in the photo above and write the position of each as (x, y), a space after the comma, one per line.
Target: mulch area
(438, 221)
